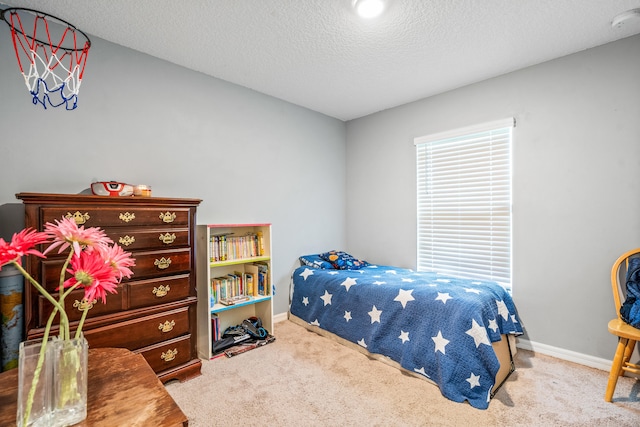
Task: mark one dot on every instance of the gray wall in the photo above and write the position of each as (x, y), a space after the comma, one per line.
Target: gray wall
(143, 120)
(248, 156)
(576, 184)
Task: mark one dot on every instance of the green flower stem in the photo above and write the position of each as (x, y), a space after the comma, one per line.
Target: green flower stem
(81, 323)
(64, 323)
(36, 373)
(58, 306)
(44, 292)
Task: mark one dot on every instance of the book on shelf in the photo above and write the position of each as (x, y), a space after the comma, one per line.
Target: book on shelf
(235, 300)
(215, 327)
(263, 278)
(248, 283)
(228, 246)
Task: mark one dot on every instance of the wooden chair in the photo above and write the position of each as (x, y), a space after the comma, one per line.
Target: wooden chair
(627, 334)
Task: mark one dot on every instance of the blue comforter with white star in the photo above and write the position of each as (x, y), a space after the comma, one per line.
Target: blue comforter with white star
(438, 326)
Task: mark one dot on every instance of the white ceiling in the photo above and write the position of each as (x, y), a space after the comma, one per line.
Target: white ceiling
(318, 54)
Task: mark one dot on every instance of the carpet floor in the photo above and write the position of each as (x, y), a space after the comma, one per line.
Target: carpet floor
(303, 379)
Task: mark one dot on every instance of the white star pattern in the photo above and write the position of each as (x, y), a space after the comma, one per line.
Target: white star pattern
(472, 290)
(444, 297)
(407, 280)
(478, 333)
(375, 314)
(513, 318)
(474, 380)
(377, 282)
(306, 273)
(362, 343)
(326, 297)
(305, 301)
(348, 282)
(404, 336)
(347, 315)
(333, 273)
(502, 309)
(315, 323)
(421, 372)
(404, 296)
(391, 272)
(440, 342)
(493, 325)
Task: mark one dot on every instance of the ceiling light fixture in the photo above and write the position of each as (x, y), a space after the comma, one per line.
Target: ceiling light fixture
(369, 8)
(622, 18)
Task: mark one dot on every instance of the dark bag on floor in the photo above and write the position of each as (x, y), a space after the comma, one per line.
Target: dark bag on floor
(248, 331)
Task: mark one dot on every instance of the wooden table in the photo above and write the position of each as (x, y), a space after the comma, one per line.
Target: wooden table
(122, 390)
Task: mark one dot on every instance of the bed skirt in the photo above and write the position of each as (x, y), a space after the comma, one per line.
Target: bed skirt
(505, 349)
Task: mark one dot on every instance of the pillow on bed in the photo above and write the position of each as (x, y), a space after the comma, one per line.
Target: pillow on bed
(343, 261)
(315, 261)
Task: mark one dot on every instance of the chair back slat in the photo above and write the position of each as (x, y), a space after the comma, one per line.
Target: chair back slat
(619, 278)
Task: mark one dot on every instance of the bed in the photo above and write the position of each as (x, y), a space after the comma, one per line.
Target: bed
(457, 333)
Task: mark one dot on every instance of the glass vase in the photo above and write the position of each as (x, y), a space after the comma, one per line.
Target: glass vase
(34, 386)
(69, 362)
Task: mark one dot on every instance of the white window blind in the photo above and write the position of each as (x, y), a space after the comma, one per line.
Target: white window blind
(464, 202)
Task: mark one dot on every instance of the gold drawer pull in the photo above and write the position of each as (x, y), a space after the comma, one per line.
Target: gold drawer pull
(127, 240)
(162, 263)
(167, 238)
(79, 217)
(84, 305)
(161, 291)
(127, 217)
(168, 217)
(169, 355)
(167, 326)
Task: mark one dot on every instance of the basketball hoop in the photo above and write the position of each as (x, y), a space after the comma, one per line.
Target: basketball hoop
(53, 68)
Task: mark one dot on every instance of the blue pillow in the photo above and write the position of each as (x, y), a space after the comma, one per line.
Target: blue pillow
(315, 261)
(343, 261)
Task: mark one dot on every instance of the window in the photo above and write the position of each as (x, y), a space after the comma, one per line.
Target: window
(464, 202)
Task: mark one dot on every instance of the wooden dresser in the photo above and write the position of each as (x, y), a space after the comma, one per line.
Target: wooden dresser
(154, 312)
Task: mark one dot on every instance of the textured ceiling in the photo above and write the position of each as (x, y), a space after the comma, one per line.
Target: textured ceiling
(318, 54)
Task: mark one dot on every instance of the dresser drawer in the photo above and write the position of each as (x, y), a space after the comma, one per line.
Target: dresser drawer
(148, 238)
(117, 215)
(73, 305)
(137, 333)
(143, 293)
(168, 354)
(148, 264)
(161, 263)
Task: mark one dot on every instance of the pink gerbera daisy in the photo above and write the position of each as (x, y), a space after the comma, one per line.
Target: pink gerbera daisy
(22, 243)
(119, 260)
(90, 271)
(66, 233)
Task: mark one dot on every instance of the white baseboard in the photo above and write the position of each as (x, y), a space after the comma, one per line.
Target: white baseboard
(568, 355)
(280, 317)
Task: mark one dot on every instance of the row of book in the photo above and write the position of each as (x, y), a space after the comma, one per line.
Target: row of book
(226, 246)
(240, 286)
